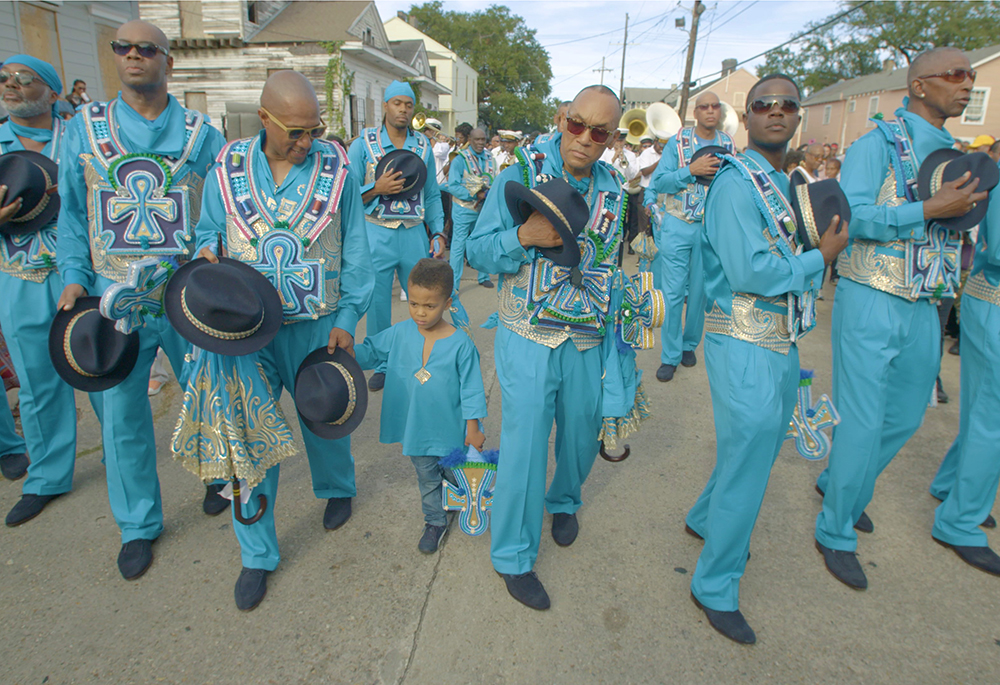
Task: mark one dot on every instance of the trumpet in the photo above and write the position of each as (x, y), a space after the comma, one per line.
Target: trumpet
(419, 121)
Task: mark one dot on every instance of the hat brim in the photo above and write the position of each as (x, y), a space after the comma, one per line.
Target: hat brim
(521, 201)
(273, 311)
(57, 352)
(389, 162)
(930, 167)
(704, 152)
(811, 223)
(51, 210)
(331, 431)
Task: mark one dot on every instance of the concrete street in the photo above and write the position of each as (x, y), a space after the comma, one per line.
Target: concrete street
(362, 605)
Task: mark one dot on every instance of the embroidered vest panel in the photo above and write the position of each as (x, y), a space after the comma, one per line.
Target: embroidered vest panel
(476, 177)
(689, 205)
(138, 205)
(388, 213)
(32, 257)
(910, 269)
(550, 304)
(299, 248)
(978, 287)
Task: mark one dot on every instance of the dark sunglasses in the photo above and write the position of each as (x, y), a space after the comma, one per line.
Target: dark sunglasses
(21, 78)
(296, 133)
(706, 107)
(766, 104)
(954, 75)
(147, 50)
(597, 134)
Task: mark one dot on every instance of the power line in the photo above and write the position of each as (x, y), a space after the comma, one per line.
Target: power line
(604, 33)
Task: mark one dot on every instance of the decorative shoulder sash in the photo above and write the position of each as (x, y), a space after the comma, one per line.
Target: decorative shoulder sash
(778, 216)
(904, 162)
(280, 245)
(410, 209)
(693, 199)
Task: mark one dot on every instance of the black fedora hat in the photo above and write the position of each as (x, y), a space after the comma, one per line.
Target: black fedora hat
(412, 167)
(815, 205)
(331, 395)
(229, 307)
(707, 150)
(87, 351)
(562, 205)
(33, 177)
(945, 165)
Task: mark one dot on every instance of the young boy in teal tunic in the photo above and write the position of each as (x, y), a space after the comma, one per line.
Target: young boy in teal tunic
(434, 397)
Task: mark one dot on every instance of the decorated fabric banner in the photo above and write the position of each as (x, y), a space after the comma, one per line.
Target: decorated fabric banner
(229, 424)
(140, 295)
(472, 492)
(808, 421)
(645, 247)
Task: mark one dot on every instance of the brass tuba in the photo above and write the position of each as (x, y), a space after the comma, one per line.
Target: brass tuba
(419, 121)
(663, 120)
(730, 119)
(635, 121)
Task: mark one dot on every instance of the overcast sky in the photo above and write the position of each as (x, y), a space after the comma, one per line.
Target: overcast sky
(655, 56)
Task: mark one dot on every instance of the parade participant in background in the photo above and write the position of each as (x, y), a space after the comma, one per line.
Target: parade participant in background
(546, 371)
(400, 232)
(885, 331)
(273, 226)
(493, 144)
(812, 160)
(504, 155)
(471, 175)
(832, 168)
(678, 264)
(78, 96)
(624, 161)
(31, 287)
(792, 160)
(647, 161)
(434, 397)
(117, 154)
(995, 152)
(753, 271)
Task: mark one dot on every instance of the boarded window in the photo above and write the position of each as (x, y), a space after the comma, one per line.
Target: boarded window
(805, 118)
(191, 19)
(106, 61)
(827, 111)
(40, 35)
(872, 109)
(196, 101)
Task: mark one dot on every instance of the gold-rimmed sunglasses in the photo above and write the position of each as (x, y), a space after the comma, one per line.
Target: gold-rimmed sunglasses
(297, 132)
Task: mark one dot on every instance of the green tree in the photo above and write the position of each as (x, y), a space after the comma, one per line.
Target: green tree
(514, 69)
(855, 44)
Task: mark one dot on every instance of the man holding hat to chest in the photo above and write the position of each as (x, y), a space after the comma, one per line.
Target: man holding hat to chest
(287, 205)
(555, 265)
(29, 143)
(130, 177)
(402, 218)
(885, 331)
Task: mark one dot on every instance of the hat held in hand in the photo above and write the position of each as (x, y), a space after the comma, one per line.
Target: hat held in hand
(946, 165)
(561, 205)
(331, 395)
(815, 205)
(86, 349)
(33, 178)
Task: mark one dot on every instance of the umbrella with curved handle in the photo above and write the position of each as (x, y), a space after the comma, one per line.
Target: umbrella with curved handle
(261, 500)
(614, 459)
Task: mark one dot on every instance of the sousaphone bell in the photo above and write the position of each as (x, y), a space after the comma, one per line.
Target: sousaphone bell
(730, 119)
(662, 120)
(635, 121)
(419, 121)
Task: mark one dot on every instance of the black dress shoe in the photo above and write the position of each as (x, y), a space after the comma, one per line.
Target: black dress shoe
(665, 372)
(338, 510)
(983, 558)
(214, 503)
(27, 508)
(135, 558)
(565, 528)
(989, 522)
(954, 349)
(942, 396)
(250, 589)
(863, 524)
(844, 566)
(14, 466)
(691, 531)
(527, 589)
(729, 623)
(688, 358)
(376, 382)
(487, 284)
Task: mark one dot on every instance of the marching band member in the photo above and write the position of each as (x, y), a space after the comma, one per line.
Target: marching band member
(470, 177)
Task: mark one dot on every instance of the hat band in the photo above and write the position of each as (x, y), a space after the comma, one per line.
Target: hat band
(68, 349)
(937, 178)
(215, 333)
(552, 207)
(40, 207)
(805, 206)
(352, 393)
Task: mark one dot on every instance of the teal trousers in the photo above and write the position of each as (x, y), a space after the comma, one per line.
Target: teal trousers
(678, 273)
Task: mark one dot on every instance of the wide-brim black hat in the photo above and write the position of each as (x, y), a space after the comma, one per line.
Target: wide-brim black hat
(331, 395)
(562, 205)
(412, 167)
(34, 178)
(229, 308)
(945, 165)
(87, 351)
(815, 205)
(707, 150)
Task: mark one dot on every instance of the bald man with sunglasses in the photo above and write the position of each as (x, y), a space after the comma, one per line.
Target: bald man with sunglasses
(886, 334)
(119, 205)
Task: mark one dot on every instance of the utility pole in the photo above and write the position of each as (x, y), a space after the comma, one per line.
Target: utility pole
(695, 12)
(621, 87)
(602, 70)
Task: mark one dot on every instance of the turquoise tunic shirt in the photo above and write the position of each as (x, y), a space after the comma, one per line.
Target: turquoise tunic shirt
(456, 174)
(162, 136)
(357, 277)
(670, 177)
(358, 155)
(427, 418)
(987, 257)
(737, 256)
